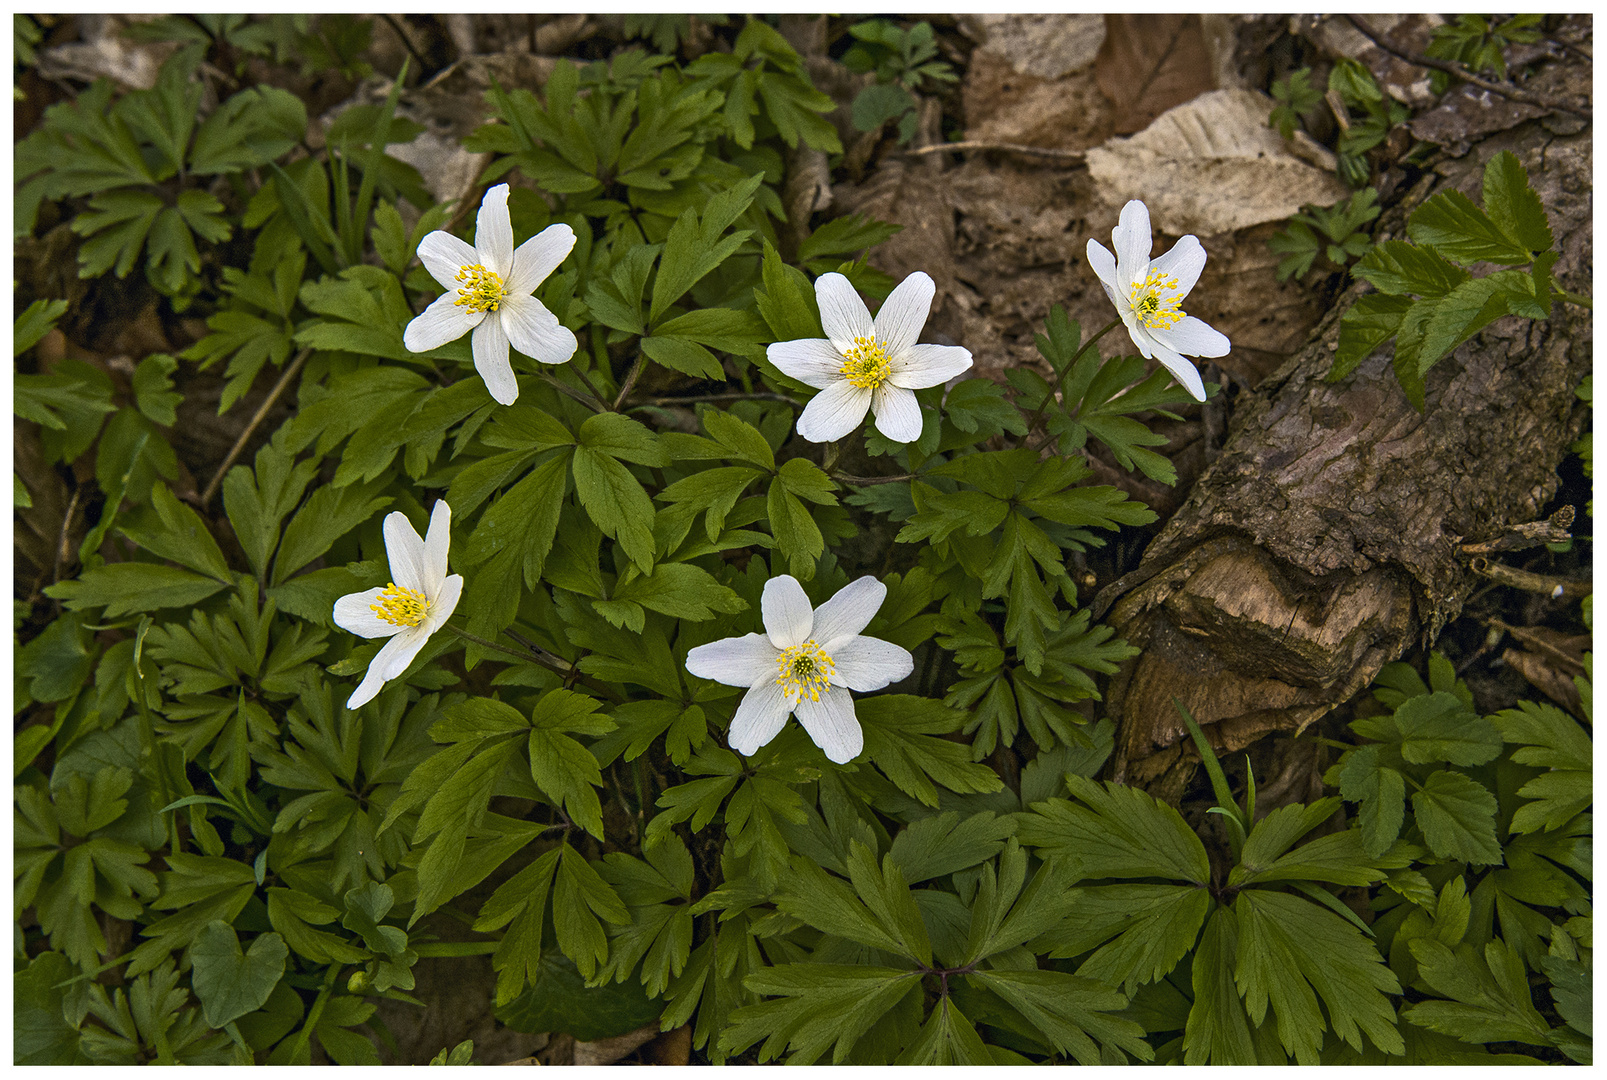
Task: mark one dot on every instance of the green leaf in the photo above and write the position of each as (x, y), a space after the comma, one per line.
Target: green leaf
(1286, 943)
(1072, 1012)
(821, 1007)
(694, 246)
(1513, 205)
(126, 588)
(177, 533)
(523, 523)
(1439, 727)
(621, 437)
(329, 514)
(901, 739)
(1552, 740)
(615, 501)
(559, 1000)
(1371, 321)
(1397, 268)
(1490, 997)
(230, 983)
(1449, 222)
(1137, 932)
(1457, 816)
(947, 1038)
(944, 843)
(37, 320)
(580, 898)
(1117, 831)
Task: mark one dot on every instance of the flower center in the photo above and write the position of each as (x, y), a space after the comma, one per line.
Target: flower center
(865, 364)
(1153, 308)
(804, 671)
(401, 607)
(482, 290)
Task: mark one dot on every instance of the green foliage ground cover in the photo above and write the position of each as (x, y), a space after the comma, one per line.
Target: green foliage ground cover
(548, 773)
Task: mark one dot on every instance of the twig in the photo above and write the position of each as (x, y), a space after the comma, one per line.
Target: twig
(1555, 587)
(1506, 90)
(396, 26)
(1014, 148)
(63, 549)
(261, 414)
(630, 380)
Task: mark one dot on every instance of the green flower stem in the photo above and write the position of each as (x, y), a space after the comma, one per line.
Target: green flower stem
(532, 655)
(630, 380)
(1037, 414)
(564, 388)
(580, 373)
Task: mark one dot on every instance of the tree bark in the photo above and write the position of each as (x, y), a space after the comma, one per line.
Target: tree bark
(1323, 542)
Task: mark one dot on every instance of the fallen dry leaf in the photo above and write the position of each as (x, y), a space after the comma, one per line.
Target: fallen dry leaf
(1047, 46)
(1211, 166)
(1149, 63)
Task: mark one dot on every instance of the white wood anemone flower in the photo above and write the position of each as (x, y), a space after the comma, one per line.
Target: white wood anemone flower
(864, 364)
(410, 608)
(488, 291)
(1148, 295)
(805, 662)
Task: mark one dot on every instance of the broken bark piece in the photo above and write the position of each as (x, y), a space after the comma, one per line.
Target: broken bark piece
(1323, 542)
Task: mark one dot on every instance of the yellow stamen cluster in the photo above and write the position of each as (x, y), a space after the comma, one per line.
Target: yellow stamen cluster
(1155, 310)
(804, 671)
(865, 364)
(401, 607)
(482, 289)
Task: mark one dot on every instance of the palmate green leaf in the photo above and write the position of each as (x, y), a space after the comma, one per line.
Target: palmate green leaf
(696, 245)
(944, 843)
(127, 588)
(947, 1038)
(1439, 727)
(567, 773)
(821, 1007)
(1552, 740)
(174, 531)
(1138, 932)
(616, 502)
(1074, 1014)
(1218, 1031)
(1115, 831)
(41, 1034)
(524, 522)
(1457, 816)
(1286, 943)
(329, 514)
(559, 1000)
(230, 983)
(797, 536)
(1380, 790)
(1490, 996)
(901, 739)
(581, 899)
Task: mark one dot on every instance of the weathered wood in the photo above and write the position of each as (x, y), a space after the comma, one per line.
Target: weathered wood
(1324, 541)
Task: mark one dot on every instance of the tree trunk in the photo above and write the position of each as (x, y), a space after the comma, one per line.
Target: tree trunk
(1324, 540)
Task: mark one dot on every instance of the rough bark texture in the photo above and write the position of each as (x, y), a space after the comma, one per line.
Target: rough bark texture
(1323, 542)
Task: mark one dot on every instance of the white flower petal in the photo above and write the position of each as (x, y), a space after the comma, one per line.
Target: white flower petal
(815, 361)
(399, 652)
(444, 604)
(834, 412)
(789, 617)
(735, 661)
(1194, 337)
(1184, 262)
(1182, 370)
(928, 365)
(898, 414)
(1102, 263)
(373, 682)
(354, 613)
(535, 331)
(848, 612)
(443, 255)
(867, 663)
(441, 322)
(493, 232)
(437, 540)
(758, 719)
(843, 315)
(1138, 332)
(538, 257)
(1132, 240)
(405, 550)
(903, 313)
(491, 361)
(831, 723)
